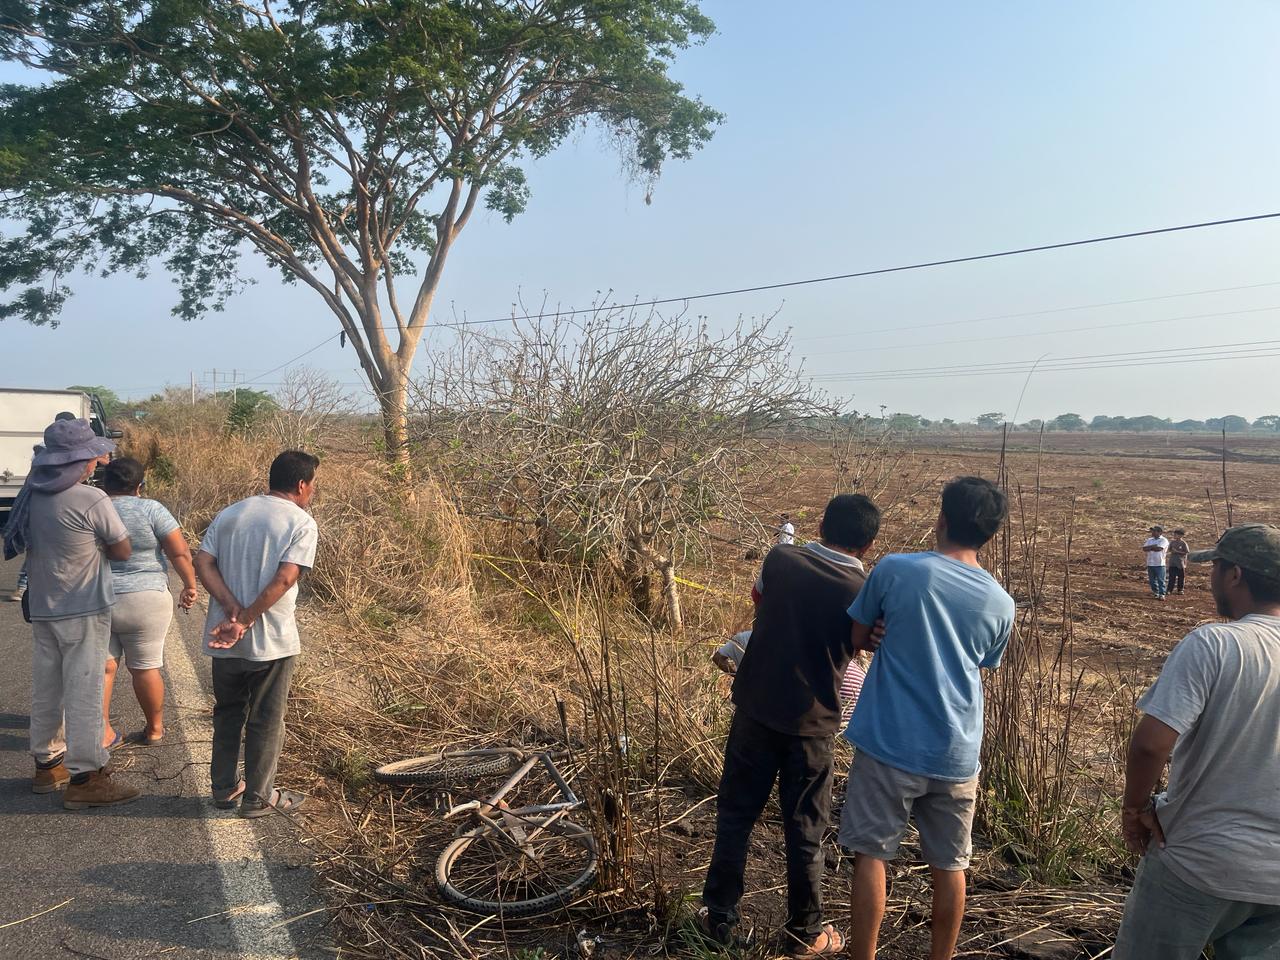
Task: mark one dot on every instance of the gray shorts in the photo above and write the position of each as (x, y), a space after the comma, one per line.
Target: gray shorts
(881, 799)
(139, 624)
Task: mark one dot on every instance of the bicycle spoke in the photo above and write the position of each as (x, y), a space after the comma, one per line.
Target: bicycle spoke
(494, 869)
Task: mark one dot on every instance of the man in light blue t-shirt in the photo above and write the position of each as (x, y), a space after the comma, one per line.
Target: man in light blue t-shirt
(918, 723)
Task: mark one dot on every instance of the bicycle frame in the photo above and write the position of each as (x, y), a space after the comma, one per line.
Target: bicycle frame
(485, 808)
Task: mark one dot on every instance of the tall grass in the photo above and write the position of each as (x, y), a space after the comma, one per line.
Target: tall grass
(1052, 747)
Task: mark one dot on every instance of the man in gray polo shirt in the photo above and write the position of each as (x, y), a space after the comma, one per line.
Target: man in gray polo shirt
(1210, 871)
(250, 561)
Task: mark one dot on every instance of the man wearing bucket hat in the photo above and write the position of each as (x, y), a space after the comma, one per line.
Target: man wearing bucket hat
(65, 528)
(1211, 841)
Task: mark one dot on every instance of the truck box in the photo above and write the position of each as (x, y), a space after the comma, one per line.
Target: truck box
(23, 416)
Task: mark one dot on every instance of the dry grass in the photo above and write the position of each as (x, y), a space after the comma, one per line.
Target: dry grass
(420, 637)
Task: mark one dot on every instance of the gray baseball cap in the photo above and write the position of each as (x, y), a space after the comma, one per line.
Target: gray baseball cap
(1254, 546)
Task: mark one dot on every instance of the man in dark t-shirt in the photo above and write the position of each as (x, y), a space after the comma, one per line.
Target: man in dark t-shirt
(787, 693)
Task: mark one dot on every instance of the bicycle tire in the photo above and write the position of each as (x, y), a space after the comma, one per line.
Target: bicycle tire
(563, 893)
(442, 767)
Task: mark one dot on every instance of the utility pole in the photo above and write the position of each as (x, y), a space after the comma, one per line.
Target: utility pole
(193, 387)
(233, 378)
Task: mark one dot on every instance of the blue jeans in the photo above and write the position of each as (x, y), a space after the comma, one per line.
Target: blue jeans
(1168, 919)
(1155, 577)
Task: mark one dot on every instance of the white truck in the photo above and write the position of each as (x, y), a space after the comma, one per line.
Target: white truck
(23, 416)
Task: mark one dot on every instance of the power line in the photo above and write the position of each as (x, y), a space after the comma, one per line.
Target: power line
(1047, 333)
(1170, 361)
(879, 271)
(289, 363)
(1022, 366)
(1034, 313)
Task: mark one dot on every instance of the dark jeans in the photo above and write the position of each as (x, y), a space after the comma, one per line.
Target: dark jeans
(249, 700)
(754, 757)
(1177, 575)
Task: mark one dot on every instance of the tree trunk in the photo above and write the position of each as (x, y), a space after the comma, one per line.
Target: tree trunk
(670, 586)
(671, 593)
(395, 424)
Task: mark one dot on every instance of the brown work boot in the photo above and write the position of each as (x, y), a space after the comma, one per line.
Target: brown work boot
(98, 791)
(50, 779)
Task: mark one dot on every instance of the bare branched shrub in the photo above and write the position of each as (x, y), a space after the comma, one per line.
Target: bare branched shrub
(311, 406)
(617, 440)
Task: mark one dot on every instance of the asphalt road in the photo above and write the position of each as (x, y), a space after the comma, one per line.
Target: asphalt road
(165, 876)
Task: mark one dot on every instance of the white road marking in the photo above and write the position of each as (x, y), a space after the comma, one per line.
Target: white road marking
(254, 913)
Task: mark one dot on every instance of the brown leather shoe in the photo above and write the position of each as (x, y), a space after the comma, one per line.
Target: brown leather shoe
(98, 791)
(50, 779)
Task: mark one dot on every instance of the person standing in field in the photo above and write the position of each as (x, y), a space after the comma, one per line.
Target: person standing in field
(1155, 548)
(250, 561)
(918, 723)
(68, 531)
(786, 530)
(786, 692)
(1210, 843)
(144, 607)
(1177, 565)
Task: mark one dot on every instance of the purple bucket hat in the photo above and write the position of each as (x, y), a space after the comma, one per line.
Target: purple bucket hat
(71, 441)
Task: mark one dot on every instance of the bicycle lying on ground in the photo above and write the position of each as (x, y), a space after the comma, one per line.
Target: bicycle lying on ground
(516, 861)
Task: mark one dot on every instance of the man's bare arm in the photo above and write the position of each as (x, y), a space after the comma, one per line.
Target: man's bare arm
(207, 570)
(863, 638)
(1149, 750)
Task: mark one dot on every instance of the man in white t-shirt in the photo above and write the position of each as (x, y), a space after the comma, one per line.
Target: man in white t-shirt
(1156, 549)
(250, 561)
(1211, 841)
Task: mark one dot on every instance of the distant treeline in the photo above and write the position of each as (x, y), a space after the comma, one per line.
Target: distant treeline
(1073, 423)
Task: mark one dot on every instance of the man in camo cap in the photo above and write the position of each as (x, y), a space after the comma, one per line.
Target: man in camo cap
(1211, 841)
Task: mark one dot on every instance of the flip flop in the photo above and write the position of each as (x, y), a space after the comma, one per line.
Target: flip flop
(229, 803)
(282, 801)
(114, 743)
(827, 943)
(139, 738)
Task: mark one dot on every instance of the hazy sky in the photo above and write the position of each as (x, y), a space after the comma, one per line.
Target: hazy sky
(863, 135)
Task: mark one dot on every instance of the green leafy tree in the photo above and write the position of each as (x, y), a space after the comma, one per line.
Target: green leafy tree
(1145, 423)
(347, 143)
(1270, 422)
(990, 421)
(1230, 423)
(110, 399)
(249, 409)
(1068, 421)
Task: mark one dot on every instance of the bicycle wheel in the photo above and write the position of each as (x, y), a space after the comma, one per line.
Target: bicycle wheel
(485, 871)
(443, 767)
